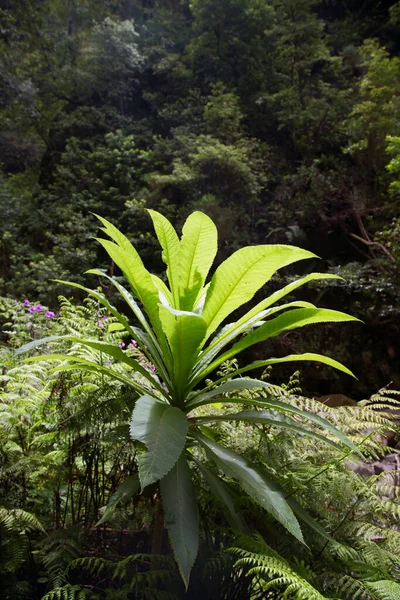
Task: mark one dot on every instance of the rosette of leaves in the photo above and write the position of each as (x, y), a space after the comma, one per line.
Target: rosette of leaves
(182, 330)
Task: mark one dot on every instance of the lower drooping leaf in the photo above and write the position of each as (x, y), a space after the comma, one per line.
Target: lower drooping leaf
(162, 428)
(181, 515)
(268, 417)
(125, 491)
(289, 408)
(307, 518)
(265, 492)
(234, 516)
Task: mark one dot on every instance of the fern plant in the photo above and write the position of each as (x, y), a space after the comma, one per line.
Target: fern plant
(15, 527)
(270, 571)
(179, 332)
(356, 555)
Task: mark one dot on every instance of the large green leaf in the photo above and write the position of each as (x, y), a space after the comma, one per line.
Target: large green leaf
(163, 292)
(288, 408)
(139, 279)
(307, 518)
(267, 417)
(169, 242)
(128, 260)
(185, 332)
(162, 428)
(198, 248)
(35, 343)
(119, 355)
(141, 282)
(212, 389)
(279, 294)
(297, 357)
(116, 235)
(127, 296)
(147, 340)
(292, 319)
(234, 516)
(233, 385)
(81, 364)
(265, 492)
(124, 493)
(181, 515)
(230, 332)
(241, 275)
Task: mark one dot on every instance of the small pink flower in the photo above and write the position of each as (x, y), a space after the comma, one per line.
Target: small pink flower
(50, 314)
(134, 343)
(38, 307)
(32, 309)
(99, 323)
(26, 302)
(121, 345)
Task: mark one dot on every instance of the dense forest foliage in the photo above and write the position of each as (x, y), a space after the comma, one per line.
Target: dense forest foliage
(280, 120)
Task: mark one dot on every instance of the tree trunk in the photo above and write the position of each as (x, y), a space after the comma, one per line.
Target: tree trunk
(158, 529)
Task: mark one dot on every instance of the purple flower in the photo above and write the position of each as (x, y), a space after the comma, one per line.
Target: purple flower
(26, 302)
(121, 345)
(38, 307)
(99, 323)
(152, 367)
(134, 343)
(50, 314)
(104, 317)
(32, 309)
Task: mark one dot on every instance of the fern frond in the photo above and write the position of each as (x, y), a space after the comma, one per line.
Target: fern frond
(270, 571)
(66, 592)
(385, 589)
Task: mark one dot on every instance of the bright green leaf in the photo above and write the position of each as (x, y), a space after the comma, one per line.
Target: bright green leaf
(185, 332)
(241, 275)
(169, 242)
(198, 248)
(292, 319)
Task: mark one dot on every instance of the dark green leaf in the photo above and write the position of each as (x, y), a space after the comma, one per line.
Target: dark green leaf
(181, 515)
(265, 492)
(124, 493)
(162, 428)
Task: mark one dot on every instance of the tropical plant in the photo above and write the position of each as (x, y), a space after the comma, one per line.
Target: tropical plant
(182, 343)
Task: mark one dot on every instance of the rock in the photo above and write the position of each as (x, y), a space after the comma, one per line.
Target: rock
(391, 462)
(362, 468)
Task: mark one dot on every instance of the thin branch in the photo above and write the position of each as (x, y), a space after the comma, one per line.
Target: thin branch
(368, 242)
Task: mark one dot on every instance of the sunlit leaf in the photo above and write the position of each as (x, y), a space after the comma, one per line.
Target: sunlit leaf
(198, 248)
